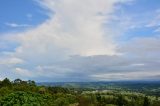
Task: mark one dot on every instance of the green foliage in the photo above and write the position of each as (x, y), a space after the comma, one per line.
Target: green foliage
(24, 99)
(4, 91)
(146, 101)
(27, 93)
(6, 83)
(54, 90)
(61, 102)
(121, 101)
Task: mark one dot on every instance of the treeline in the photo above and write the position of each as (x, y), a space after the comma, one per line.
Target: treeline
(27, 93)
(30, 86)
(118, 99)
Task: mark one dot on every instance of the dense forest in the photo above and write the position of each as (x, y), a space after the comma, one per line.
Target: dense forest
(29, 93)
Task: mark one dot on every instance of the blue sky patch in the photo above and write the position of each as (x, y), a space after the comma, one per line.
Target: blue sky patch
(19, 15)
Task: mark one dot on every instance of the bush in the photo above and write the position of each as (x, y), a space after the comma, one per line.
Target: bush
(24, 99)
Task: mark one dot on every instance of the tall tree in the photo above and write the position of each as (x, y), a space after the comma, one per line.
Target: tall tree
(6, 83)
(17, 81)
(146, 101)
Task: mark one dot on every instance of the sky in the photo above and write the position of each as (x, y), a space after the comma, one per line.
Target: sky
(80, 40)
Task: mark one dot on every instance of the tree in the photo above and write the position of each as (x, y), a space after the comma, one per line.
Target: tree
(6, 83)
(21, 98)
(61, 102)
(146, 101)
(98, 97)
(4, 91)
(120, 101)
(42, 90)
(31, 83)
(17, 81)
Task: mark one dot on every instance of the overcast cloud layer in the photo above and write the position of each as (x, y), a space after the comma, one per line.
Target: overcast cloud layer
(79, 43)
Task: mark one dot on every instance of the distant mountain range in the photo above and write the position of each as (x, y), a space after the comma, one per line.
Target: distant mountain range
(105, 85)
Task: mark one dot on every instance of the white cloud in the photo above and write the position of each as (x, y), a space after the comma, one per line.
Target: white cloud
(15, 25)
(144, 47)
(76, 27)
(11, 61)
(23, 72)
(138, 64)
(157, 30)
(155, 21)
(125, 76)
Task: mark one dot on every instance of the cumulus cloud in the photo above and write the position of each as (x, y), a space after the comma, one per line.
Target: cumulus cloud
(74, 28)
(76, 44)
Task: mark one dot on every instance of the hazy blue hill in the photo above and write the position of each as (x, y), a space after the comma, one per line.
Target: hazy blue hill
(146, 87)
